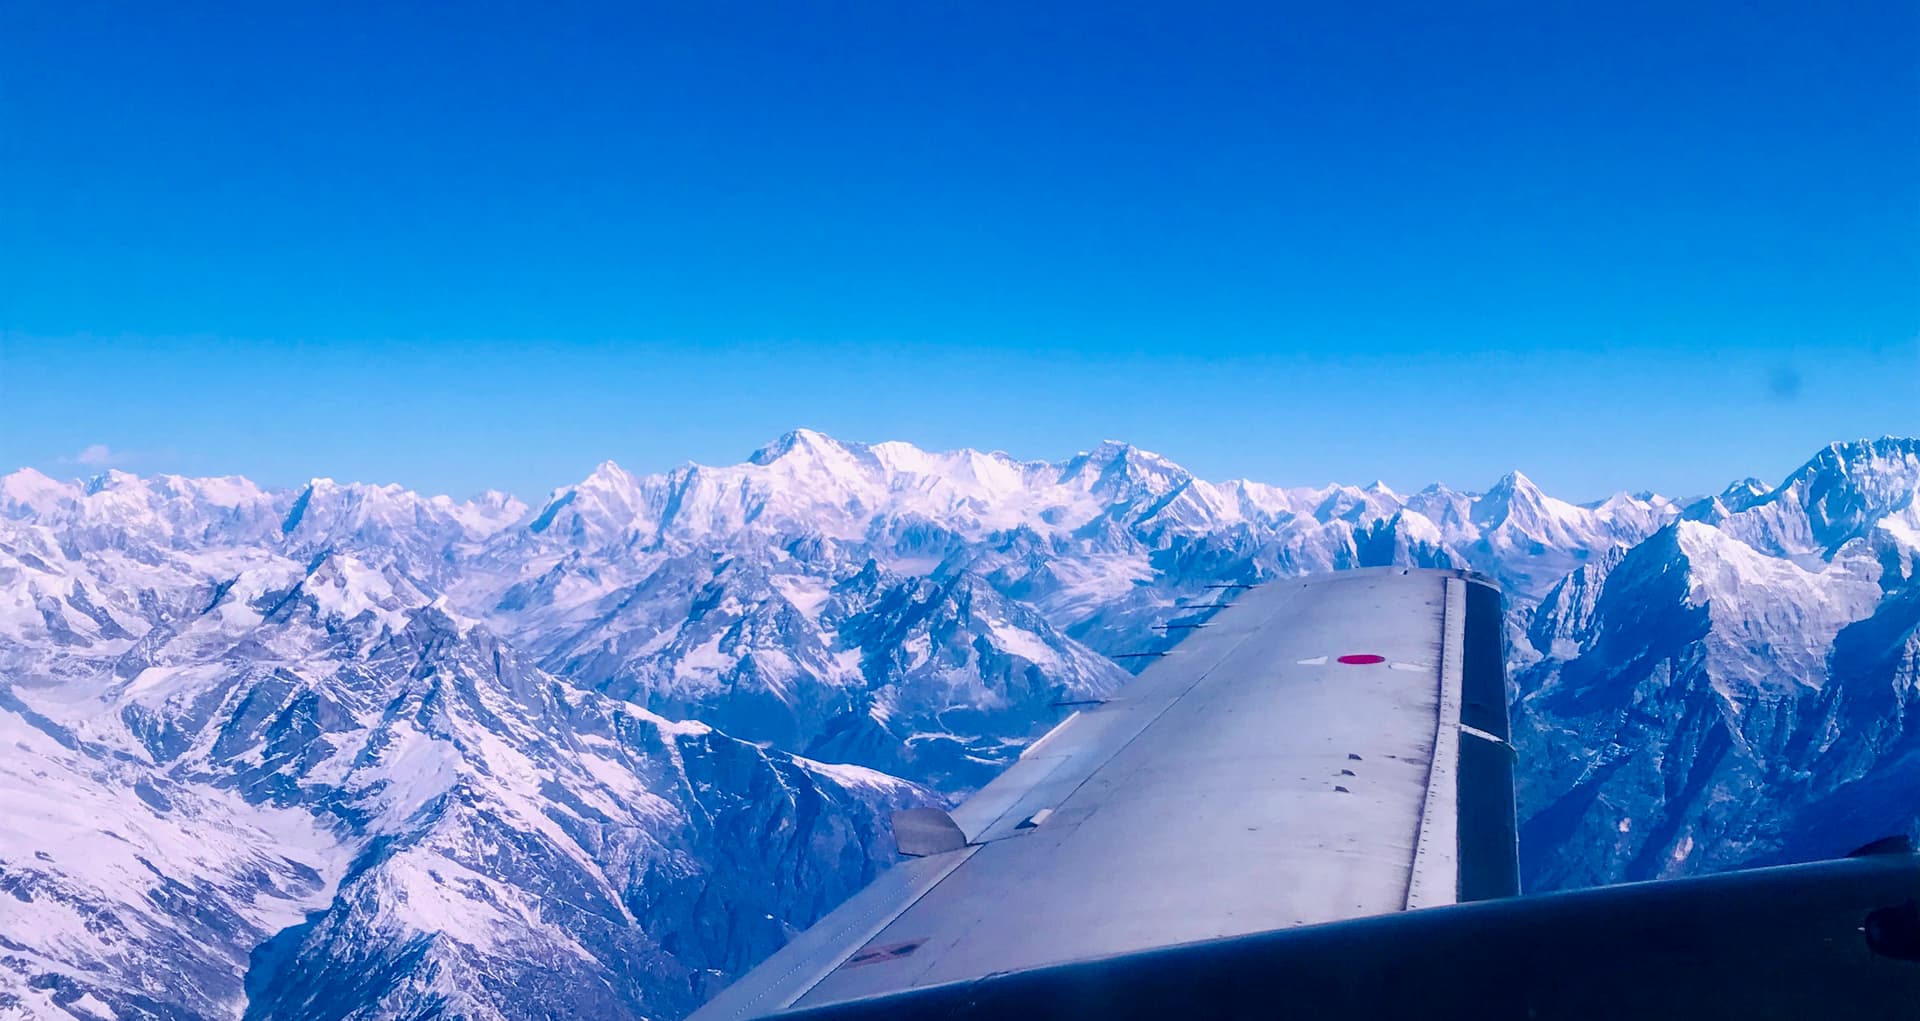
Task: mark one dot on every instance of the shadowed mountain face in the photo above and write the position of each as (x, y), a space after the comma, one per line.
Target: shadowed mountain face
(347, 751)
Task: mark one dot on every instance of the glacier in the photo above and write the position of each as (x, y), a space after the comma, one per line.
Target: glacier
(346, 751)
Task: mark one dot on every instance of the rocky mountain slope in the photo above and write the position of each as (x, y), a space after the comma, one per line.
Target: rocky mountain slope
(1735, 689)
(347, 751)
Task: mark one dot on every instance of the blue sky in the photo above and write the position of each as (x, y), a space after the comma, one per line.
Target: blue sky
(1619, 246)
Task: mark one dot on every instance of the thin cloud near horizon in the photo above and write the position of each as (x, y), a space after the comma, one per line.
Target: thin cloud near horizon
(97, 455)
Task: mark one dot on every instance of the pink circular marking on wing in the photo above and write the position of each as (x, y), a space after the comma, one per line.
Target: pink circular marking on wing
(1361, 659)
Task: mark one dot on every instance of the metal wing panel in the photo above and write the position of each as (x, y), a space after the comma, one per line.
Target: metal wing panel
(781, 979)
(1248, 781)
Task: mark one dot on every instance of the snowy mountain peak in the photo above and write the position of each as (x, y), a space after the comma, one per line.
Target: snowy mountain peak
(1514, 498)
(1735, 498)
(804, 442)
(24, 480)
(497, 500)
(1115, 465)
(1887, 447)
(1109, 452)
(112, 478)
(1515, 481)
(608, 479)
(1887, 461)
(344, 586)
(28, 492)
(1837, 496)
(601, 508)
(1788, 614)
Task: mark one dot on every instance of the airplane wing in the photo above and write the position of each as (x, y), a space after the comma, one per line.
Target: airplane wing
(1315, 749)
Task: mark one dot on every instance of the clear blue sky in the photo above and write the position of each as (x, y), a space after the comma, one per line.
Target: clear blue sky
(1617, 245)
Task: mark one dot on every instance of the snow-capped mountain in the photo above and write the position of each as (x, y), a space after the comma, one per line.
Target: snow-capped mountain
(1731, 692)
(342, 750)
(310, 790)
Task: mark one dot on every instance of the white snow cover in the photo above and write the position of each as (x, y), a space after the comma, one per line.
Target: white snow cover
(504, 730)
(1752, 598)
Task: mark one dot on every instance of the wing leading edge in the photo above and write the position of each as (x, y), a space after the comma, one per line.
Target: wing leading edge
(1318, 749)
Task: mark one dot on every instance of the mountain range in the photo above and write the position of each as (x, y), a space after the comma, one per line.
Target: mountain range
(346, 751)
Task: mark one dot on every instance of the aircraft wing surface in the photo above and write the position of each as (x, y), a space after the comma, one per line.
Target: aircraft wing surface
(1314, 749)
